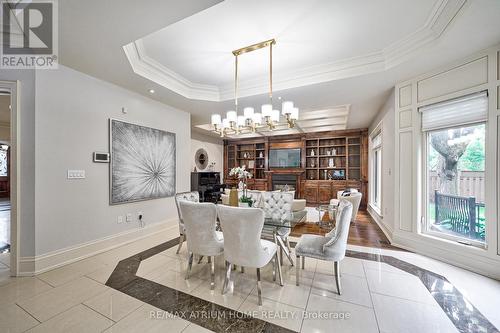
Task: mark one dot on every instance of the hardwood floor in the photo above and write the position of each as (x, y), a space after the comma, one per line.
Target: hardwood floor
(363, 232)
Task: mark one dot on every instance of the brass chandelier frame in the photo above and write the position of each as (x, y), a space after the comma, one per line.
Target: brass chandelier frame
(250, 126)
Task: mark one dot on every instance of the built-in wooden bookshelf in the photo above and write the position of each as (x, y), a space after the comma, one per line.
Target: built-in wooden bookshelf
(339, 161)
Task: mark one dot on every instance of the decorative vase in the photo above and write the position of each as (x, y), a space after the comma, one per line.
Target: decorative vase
(233, 197)
(243, 204)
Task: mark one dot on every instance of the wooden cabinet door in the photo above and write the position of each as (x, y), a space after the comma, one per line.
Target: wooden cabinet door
(311, 193)
(325, 193)
(261, 186)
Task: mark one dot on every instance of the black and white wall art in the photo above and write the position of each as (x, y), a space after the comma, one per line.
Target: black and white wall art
(142, 163)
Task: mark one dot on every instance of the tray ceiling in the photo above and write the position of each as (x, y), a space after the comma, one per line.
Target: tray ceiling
(317, 41)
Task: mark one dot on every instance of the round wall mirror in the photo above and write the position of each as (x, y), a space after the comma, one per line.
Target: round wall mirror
(201, 159)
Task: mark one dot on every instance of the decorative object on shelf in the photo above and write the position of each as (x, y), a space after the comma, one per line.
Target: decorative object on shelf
(140, 171)
(262, 166)
(261, 155)
(312, 164)
(233, 197)
(328, 152)
(330, 176)
(339, 174)
(325, 172)
(242, 175)
(312, 152)
(195, 170)
(251, 164)
(201, 159)
(331, 163)
(334, 151)
(250, 121)
(211, 166)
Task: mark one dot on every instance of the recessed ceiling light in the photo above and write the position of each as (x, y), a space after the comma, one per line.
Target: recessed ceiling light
(151, 91)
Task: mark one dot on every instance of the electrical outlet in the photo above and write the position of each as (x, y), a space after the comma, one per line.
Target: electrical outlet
(76, 174)
(129, 217)
(140, 216)
(120, 219)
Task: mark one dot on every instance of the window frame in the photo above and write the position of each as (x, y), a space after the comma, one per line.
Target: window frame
(426, 223)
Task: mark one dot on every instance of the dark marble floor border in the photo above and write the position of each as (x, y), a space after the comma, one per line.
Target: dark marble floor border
(459, 310)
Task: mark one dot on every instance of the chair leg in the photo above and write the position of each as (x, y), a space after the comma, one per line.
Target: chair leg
(336, 267)
(303, 263)
(212, 272)
(227, 277)
(274, 269)
(242, 269)
(281, 255)
(182, 238)
(288, 245)
(209, 258)
(297, 270)
(200, 260)
(259, 287)
(190, 264)
(278, 265)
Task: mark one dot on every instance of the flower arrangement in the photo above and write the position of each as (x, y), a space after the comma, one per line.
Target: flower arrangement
(242, 175)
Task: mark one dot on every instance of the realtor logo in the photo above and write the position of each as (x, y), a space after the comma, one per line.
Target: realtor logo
(29, 36)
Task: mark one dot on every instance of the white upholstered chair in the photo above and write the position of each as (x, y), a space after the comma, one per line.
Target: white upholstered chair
(243, 245)
(278, 205)
(354, 197)
(255, 195)
(202, 238)
(330, 247)
(193, 196)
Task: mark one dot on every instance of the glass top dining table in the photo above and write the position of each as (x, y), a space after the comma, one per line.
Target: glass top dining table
(293, 219)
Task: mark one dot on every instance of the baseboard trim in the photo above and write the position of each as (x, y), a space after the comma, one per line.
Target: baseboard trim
(388, 232)
(29, 266)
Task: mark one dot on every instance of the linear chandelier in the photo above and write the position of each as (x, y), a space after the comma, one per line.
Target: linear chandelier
(251, 121)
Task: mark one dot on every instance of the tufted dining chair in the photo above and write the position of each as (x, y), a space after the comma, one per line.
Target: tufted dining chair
(278, 205)
(243, 245)
(193, 196)
(330, 247)
(202, 238)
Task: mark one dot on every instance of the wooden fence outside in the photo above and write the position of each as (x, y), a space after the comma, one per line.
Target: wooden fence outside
(470, 184)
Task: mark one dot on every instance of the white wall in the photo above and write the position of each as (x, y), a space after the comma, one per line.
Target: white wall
(478, 72)
(384, 122)
(214, 148)
(72, 112)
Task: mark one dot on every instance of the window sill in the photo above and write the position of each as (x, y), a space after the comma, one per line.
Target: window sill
(376, 209)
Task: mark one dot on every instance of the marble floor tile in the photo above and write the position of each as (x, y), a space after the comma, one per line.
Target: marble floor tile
(274, 312)
(157, 261)
(398, 285)
(149, 319)
(5, 259)
(59, 299)
(62, 275)
(354, 288)
(21, 288)
(13, 319)
(347, 265)
(113, 304)
(288, 294)
(328, 315)
(383, 267)
(176, 281)
(102, 274)
(399, 315)
(193, 328)
(79, 319)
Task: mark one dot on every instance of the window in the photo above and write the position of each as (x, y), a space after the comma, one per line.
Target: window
(376, 172)
(455, 136)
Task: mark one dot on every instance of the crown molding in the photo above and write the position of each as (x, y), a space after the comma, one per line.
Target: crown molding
(440, 18)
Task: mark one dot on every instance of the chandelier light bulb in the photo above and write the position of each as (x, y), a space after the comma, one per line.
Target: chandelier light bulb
(216, 119)
(275, 116)
(232, 116)
(257, 118)
(241, 121)
(286, 107)
(294, 115)
(248, 112)
(267, 109)
(225, 123)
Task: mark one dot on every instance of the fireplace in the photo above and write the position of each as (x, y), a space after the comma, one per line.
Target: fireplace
(279, 181)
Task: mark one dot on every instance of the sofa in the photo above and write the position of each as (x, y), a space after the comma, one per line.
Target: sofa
(297, 205)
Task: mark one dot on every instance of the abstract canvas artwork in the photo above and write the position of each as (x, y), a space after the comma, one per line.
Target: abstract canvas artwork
(142, 163)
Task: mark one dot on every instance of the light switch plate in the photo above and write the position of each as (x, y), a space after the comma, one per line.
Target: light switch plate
(76, 174)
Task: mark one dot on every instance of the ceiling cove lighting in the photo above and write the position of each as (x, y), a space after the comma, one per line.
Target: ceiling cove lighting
(268, 118)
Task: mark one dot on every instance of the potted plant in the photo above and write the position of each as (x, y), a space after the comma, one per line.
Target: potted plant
(242, 175)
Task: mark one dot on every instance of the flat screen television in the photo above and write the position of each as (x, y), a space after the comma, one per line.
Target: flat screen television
(284, 158)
